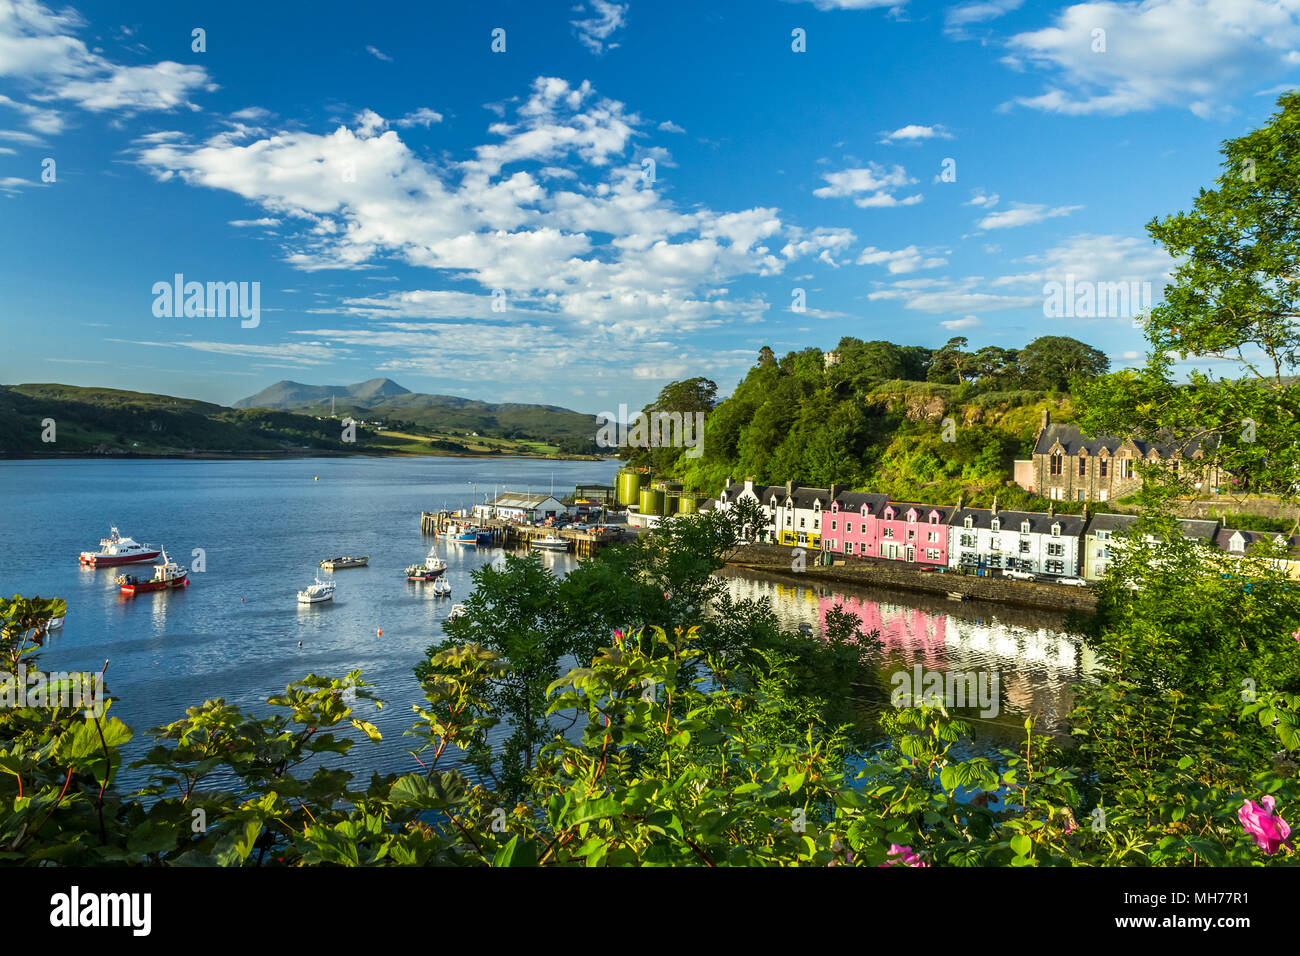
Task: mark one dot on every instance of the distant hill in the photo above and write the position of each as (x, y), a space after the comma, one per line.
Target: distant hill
(382, 399)
(286, 395)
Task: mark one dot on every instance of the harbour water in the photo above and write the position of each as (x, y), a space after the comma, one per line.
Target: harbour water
(238, 633)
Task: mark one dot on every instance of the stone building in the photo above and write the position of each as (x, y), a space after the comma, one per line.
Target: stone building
(1067, 466)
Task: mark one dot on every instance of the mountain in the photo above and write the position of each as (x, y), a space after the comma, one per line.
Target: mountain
(384, 400)
(286, 394)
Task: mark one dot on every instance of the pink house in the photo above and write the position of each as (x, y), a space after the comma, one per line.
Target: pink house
(850, 528)
(914, 533)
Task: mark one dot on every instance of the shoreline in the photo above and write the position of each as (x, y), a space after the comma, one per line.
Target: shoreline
(771, 559)
(269, 455)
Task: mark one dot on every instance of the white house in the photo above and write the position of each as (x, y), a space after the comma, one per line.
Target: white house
(518, 506)
(734, 492)
(1015, 540)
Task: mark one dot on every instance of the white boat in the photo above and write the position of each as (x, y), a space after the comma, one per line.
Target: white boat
(457, 610)
(551, 543)
(116, 549)
(317, 593)
(55, 623)
(442, 588)
(432, 567)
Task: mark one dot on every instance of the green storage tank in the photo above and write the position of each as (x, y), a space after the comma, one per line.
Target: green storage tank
(652, 501)
(688, 504)
(629, 487)
(671, 500)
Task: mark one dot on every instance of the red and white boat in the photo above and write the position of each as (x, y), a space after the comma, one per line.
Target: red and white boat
(116, 549)
(166, 576)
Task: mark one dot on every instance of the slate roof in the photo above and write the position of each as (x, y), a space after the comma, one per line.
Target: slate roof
(922, 511)
(854, 500)
(1194, 528)
(1039, 522)
(1223, 540)
(519, 500)
(1074, 441)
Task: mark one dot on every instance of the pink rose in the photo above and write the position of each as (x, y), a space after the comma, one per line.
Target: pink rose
(1268, 829)
(901, 856)
(1296, 634)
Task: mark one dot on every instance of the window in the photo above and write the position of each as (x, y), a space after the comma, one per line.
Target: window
(832, 524)
(1083, 466)
(1024, 545)
(968, 557)
(1056, 550)
(933, 536)
(934, 519)
(1080, 494)
(996, 524)
(848, 547)
(969, 522)
(995, 543)
(1103, 467)
(1126, 468)
(995, 560)
(887, 533)
(848, 526)
(1056, 530)
(816, 522)
(1101, 495)
(1054, 567)
(1056, 465)
(911, 534)
(968, 541)
(802, 522)
(1024, 527)
(932, 554)
(1056, 494)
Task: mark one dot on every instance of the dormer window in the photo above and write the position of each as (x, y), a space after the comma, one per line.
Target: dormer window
(1024, 527)
(1056, 530)
(969, 522)
(934, 517)
(996, 524)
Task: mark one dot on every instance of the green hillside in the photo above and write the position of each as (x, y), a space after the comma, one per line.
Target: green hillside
(912, 422)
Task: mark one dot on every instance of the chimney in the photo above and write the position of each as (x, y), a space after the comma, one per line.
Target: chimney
(1085, 512)
(1051, 509)
(728, 484)
(995, 504)
(961, 502)
(835, 490)
(789, 487)
(1047, 420)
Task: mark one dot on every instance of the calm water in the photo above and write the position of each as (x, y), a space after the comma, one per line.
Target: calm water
(264, 526)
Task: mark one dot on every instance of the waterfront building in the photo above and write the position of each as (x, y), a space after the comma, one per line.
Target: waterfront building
(852, 524)
(798, 512)
(1104, 537)
(1279, 550)
(521, 506)
(990, 539)
(735, 491)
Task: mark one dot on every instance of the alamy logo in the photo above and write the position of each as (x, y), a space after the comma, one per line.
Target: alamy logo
(194, 300)
(73, 909)
(655, 430)
(952, 689)
(73, 689)
(1085, 299)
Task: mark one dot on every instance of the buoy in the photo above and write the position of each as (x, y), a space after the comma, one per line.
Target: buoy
(316, 478)
(300, 643)
(241, 600)
(381, 632)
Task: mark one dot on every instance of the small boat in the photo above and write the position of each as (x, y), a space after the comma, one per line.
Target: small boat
(956, 596)
(428, 570)
(347, 561)
(442, 588)
(459, 530)
(116, 549)
(56, 622)
(166, 576)
(551, 543)
(317, 593)
(457, 610)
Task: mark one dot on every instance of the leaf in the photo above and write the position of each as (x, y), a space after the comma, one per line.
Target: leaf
(1021, 845)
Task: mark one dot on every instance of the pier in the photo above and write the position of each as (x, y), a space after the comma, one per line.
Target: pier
(584, 542)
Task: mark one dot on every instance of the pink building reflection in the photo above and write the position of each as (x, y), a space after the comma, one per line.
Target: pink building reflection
(919, 635)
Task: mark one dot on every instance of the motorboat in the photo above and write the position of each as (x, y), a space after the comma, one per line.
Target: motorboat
(430, 569)
(116, 549)
(347, 561)
(551, 542)
(317, 593)
(457, 610)
(442, 588)
(166, 577)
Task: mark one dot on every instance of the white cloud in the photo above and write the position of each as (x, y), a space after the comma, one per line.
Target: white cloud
(40, 53)
(421, 117)
(982, 199)
(378, 54)
(900, 261)
(668, 126)
(1193, 53)
(595, 31)
(869, 186)
(914, 134)
(1024, 214)
(958, 325)
(853, 4)
(963, 15)
(254, 223)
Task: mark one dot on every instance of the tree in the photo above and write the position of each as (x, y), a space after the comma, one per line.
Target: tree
(1054, 361)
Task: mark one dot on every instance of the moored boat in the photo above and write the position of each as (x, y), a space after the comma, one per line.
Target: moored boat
(116, 549)
(166, 576)
(442, 588)
(317, 593)
(428, 570)
(551, 543)
(458, 529)
(347, 561)
(457, 610)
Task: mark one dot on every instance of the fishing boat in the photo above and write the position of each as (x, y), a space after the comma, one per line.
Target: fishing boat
(166, 576)
(347, 561)
(459, 529)
(116, 549)
(56, 622)
(551, 543)
(442, 588)
(428, 570)
(457, 610)
(956, 596)
(317, 593)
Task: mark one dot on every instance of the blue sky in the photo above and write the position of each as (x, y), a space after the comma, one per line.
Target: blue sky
(387, 179)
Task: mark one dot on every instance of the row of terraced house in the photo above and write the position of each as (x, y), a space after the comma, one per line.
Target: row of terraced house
(854, 525)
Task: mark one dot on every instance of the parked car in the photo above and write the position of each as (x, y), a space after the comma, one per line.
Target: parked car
(1073, 582)
(1020, 575)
